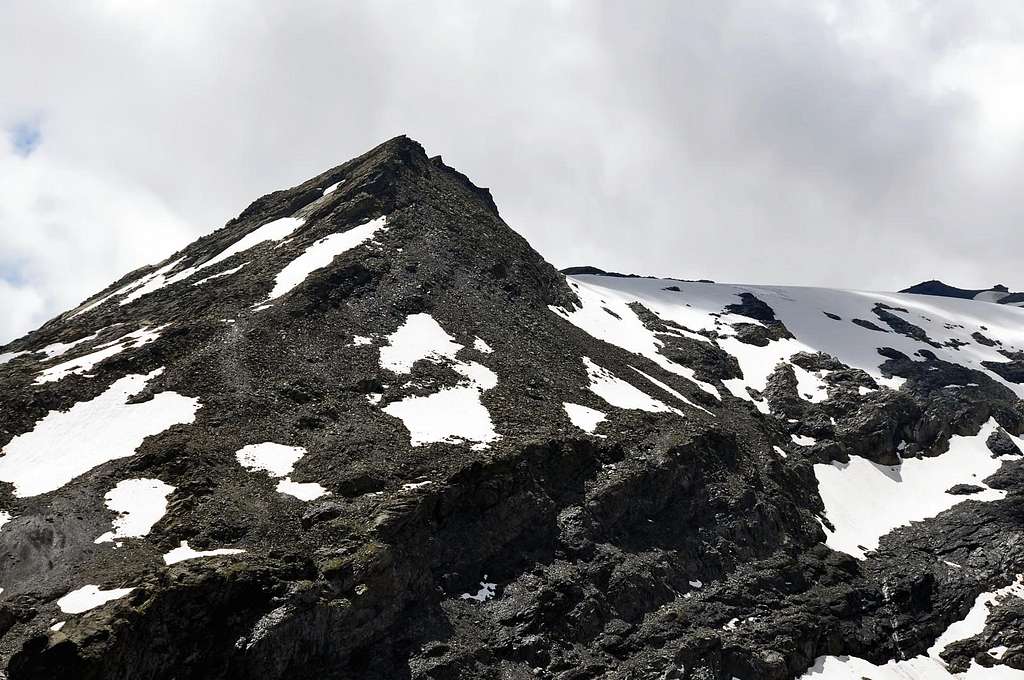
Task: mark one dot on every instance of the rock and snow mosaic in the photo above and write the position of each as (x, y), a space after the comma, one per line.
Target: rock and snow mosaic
(278, 461)
(929, 666)
(909, 492)
(451, 414)
(275, 230)
(821, 319)
(83, 364)
(321, 253)
(67, 444)
(620, 393)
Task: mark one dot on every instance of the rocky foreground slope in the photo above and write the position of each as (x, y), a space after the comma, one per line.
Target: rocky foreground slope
(365, 431)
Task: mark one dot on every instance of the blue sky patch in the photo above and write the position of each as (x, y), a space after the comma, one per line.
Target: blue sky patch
(25, 138)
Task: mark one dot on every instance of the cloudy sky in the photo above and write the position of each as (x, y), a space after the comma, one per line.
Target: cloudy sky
(855, 144)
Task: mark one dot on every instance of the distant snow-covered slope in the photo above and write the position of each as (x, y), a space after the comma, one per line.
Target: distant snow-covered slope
(849, 325)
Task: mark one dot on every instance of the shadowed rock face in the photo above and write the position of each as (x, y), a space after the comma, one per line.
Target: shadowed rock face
(446, 510)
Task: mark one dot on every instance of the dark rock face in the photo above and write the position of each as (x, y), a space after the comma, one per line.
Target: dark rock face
(487, 532)
(864, 323)
(998, 293)
(1012, 370)
(760, 335)
(1000, 444)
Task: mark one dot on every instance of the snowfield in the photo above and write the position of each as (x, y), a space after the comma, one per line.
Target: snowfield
(909, 492)
(699, 307)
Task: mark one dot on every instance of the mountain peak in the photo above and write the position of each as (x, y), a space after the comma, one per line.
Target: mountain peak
(437, 223)
(365, 430)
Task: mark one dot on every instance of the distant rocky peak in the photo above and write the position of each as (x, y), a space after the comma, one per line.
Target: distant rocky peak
(998, 293)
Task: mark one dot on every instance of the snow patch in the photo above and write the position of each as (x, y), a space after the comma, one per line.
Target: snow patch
(89, 597)
(810, 386)
(56, 349)
(930, 666)
(485, 593)
(321, 254)
(481, 346)
(917, 668)
(227, 272)
(276, 230)
(85, 363)
(620, 393)
(8, 356)
(140, 504)
(142, 281)
(304, 491)
(584, 417)
(452, 414)
(184, 552)
(66, 444)
(419, 337)
(909, 492)
(278, 460)
(974, 622)
(671, 391)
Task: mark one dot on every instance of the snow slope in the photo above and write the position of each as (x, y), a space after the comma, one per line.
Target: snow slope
(699, 307)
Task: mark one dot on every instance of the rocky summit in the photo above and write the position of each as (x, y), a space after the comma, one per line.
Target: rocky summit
(365, 431)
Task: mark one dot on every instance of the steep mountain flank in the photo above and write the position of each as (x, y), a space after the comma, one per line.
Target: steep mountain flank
(365, 431)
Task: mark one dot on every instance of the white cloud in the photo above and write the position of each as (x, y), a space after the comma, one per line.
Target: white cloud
(68, 232)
